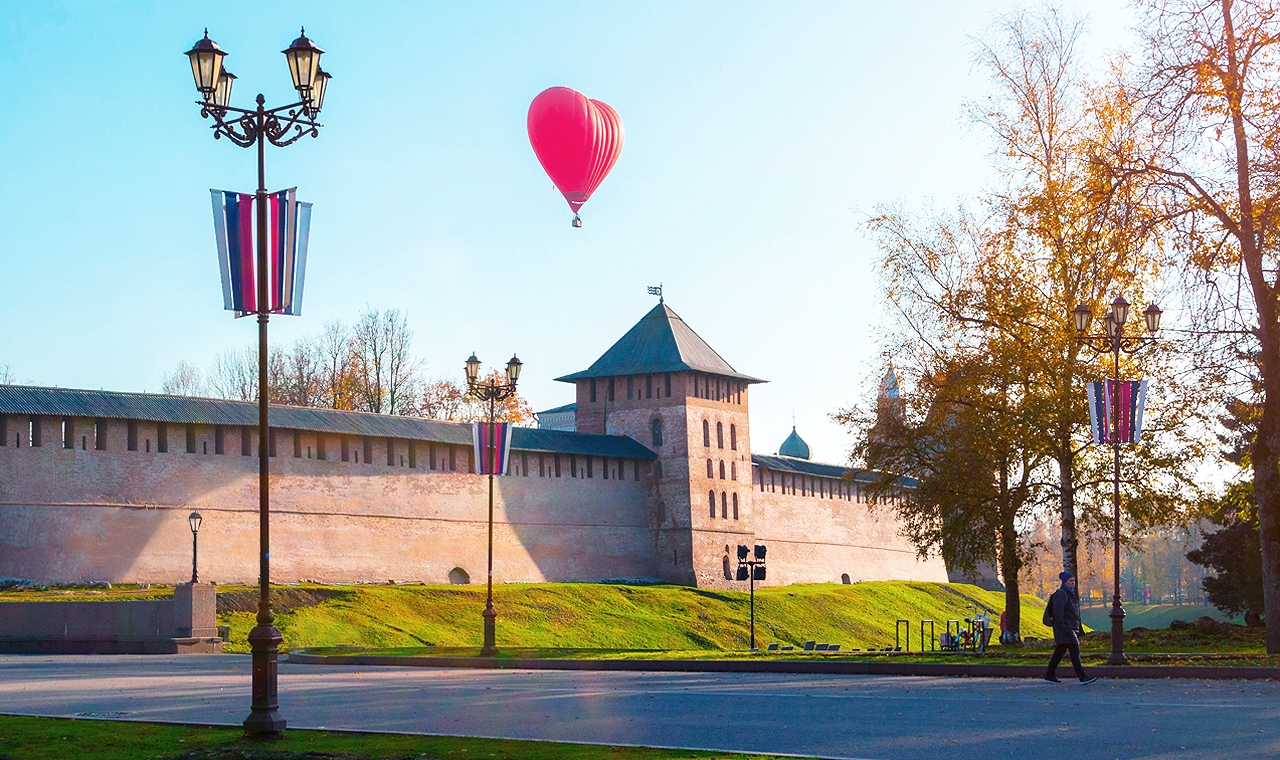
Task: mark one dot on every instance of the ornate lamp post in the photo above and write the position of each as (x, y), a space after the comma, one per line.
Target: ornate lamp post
(1114, 341)
(193, 520)
(255, 128)
(491, 392)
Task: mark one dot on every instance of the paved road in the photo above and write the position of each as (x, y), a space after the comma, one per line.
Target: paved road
(819, 715)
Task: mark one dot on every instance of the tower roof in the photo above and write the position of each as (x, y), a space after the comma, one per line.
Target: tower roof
(794, 446)
(659, 342)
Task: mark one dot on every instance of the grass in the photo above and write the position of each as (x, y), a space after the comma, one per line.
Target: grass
(24, 738)
(621, 617)
(1153, 615)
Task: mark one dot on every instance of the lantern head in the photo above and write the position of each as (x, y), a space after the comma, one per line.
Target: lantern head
(1152, 315)
(513, 369)
(194, 520)
(206, 64)
(304, 62)
(1120, 310)
(473, 369)
(1082, 317)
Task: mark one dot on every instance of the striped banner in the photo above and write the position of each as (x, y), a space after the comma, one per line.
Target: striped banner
(288, 235)
(491, 461)
(1129, 396)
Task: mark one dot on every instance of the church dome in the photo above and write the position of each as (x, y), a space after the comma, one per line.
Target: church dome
(794, 446)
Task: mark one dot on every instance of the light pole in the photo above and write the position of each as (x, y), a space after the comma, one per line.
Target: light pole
(754, 570)
(255, 128)
(492, 392)
(1115, 342)
(193, 520)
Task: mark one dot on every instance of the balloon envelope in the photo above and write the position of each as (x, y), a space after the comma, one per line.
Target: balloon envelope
(577, 140)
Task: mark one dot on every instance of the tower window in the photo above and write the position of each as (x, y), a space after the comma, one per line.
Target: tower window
(68, 433)
(706, 433)
(710, 472)
(99, 434)
(720, 435)
(733, 470)
(711, 499)
(724, 505)
(657, 432)
(735, 506)
(648, 386)
(733, 437)
(593, 390)
(666, 383)
(722, 469)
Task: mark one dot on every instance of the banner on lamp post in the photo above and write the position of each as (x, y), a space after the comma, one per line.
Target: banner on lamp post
(491, 460)
(288, 235)
(1106, 395)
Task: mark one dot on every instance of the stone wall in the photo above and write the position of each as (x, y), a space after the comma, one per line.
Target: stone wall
(69, 514)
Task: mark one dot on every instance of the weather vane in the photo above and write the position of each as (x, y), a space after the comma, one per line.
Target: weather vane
(656, 290)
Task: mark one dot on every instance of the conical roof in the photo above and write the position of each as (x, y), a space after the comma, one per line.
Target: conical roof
(794, 446)
(659, 342)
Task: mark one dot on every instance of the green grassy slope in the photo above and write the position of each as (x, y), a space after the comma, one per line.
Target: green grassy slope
(1151, 615)
(609, 616)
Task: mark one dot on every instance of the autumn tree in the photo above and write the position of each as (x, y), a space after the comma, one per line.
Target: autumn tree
(446, 399)
(1209, 88)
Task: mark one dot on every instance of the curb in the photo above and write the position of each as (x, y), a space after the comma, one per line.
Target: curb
(841, 667)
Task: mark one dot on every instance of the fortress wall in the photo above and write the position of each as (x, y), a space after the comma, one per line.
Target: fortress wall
(120, 515)
(818, 539)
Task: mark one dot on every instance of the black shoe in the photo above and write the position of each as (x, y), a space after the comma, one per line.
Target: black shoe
(1088, 681)
(1052, 679)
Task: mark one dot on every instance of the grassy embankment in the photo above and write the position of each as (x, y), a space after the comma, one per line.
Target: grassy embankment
(24, 738)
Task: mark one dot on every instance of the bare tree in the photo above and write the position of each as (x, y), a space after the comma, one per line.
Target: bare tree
(337, 366)
(185, 380)
(235, 374)
(386, 370)
(296, 374)
(6, 375)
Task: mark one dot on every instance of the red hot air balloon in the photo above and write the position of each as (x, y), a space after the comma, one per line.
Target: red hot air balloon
(577, 141)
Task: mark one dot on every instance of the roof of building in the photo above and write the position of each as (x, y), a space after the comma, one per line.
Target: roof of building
(794, 446)
(659, 342)
(62, 402)
(818, 469)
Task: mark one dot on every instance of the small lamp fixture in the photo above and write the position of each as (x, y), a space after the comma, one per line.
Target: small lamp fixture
(473, 369)
(760, 551)
(513, 369)
(194, 519)
(1120, 310)
(1082, 316)
(742, 555)
(1152, 315)
(206, 64)
(317, 90)
(304, 62)
(1111, 325)
(222, 95)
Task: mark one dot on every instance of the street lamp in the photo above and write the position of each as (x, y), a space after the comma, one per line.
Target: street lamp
(193, 519)
(280, 126)
(491, 392)
(1114, 342)
(754, 570)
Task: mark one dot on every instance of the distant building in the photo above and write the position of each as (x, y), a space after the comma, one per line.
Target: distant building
(649, 474)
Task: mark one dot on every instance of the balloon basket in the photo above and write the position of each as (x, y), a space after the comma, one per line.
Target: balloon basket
(577, 221)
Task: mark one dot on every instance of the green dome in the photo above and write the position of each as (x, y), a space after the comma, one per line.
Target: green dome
(794, 446)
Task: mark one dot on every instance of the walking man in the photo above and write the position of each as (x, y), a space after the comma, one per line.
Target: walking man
(1063, 613)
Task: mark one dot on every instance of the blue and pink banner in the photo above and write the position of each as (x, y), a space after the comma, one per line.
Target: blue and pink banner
(491, 460)
(1129, 396)
(288, 234)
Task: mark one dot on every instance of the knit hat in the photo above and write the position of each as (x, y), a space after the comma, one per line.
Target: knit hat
(1065, 576)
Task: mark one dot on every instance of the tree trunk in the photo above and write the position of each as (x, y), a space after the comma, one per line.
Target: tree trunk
(1067, 497)
(1266, 482)
(1010, 567)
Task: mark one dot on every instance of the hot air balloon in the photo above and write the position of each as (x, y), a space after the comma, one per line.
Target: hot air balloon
(577, 140)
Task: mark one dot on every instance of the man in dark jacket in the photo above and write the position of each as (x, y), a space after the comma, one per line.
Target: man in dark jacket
(1063, 613)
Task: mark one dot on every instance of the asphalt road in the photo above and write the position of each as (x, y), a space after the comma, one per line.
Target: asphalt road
(817, 715)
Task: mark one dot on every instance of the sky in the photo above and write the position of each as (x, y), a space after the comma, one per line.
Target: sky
(760, 137)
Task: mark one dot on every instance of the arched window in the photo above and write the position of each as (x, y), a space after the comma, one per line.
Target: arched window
(722, 469)
(657, 432)
(727, 576)
(844, 578)
(710, 472)
(720, 435)
(711, 499)
(706, 434)
(733, 471)
(733, 437)
(735, 506)
(724, 504)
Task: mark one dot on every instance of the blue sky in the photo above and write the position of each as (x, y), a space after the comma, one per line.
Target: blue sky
(759, 137)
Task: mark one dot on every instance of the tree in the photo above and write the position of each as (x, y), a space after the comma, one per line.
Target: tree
(446, 399)
(1210, 87)
(1234, 553)
(184, 380)
(337, 366)
(385, 369)
(6, 375)
(960, 437)
(235, 374)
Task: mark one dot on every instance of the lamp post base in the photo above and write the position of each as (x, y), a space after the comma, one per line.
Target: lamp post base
(490, 648)
(1117, 635)
(264, 716)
